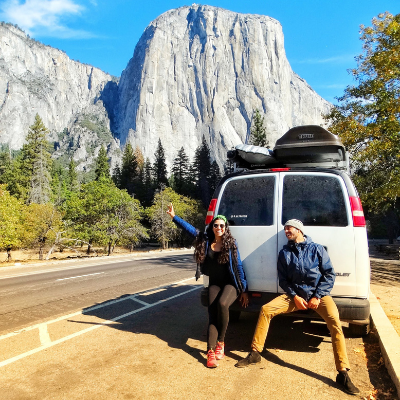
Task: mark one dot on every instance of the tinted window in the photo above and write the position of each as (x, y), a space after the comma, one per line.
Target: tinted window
(315, 200)
(249, 201)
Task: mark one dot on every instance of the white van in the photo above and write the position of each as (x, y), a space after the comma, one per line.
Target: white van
(257, 203)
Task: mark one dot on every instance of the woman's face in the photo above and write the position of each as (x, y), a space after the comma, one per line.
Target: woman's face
(218, 227)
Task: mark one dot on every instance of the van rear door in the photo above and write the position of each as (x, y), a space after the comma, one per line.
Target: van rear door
(249, 203)
(321, 201)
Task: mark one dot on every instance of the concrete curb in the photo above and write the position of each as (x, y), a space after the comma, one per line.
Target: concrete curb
(389, 340)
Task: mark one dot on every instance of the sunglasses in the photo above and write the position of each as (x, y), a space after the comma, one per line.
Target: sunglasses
(219, 225)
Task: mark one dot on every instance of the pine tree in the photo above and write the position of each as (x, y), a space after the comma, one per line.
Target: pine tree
(129, 173)
(35, 164)
(180, 172)
(73, 183)
(215, 176)
(102, 167)
(148, 185)
(258, 136)
(202, 166)
(159, 166)
(116, 176)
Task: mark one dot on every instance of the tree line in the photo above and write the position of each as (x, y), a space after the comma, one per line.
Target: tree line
(45, 205)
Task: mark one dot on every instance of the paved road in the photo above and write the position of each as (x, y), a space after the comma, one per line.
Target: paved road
(147, 344)
(34, 293)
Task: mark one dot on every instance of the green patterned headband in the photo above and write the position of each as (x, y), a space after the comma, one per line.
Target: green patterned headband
(221, 217)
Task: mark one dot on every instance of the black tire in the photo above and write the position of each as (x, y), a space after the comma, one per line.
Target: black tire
(234, 315)
(359, 330)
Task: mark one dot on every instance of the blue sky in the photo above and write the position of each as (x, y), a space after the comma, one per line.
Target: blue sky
(321, 37)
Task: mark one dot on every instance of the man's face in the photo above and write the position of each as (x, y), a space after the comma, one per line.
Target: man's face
(292, 233)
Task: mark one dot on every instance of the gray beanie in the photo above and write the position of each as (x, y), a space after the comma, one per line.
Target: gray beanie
(296, 224)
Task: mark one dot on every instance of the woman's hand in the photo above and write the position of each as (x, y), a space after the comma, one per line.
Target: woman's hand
(171, 211)
(244, 299)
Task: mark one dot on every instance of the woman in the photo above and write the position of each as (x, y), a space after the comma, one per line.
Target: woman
(218, 257)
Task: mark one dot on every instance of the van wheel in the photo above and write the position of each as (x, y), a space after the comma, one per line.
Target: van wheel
(359, 330)
(234, 315)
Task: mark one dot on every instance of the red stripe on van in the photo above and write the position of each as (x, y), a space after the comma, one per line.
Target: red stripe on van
(210, 212)
(357, 211)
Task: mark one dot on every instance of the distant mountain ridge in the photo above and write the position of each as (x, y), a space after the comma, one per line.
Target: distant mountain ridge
(196, 70)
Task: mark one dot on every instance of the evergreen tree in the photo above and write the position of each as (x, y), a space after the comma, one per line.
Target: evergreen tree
(58, 183)
(180, 172)
(147, 192)
(73, 183)
(5, 165)
(129, 171)
(32, 179)
(116, 176)
(102, 170)
(215, 176)
(258, 136)
(159, 166)
(202, 168)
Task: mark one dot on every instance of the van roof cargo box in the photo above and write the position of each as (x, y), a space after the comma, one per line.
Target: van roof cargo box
(310, 146)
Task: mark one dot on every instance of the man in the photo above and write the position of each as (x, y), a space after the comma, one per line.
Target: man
(306, 275)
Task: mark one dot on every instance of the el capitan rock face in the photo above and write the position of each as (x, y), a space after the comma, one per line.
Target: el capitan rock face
(202, 70)
(195, 71)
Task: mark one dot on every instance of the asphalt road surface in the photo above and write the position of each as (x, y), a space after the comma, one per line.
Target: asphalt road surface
(135, 329)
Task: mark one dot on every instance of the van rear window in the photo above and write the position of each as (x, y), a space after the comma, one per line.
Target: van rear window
(249, 201)
(315, 200)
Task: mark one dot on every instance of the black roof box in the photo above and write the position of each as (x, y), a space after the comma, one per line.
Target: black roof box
(311, 146)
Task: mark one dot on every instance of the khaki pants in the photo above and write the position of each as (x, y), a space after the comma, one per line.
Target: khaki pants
(327, 310)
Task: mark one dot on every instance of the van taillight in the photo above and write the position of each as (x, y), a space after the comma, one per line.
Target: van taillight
(357, 211)
(210, 212)
(279, 169)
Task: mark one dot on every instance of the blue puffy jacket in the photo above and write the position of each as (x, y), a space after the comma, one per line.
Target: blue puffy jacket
(238, 278)
(305, 269)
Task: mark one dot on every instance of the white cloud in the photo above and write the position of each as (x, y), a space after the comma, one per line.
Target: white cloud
(44, 17)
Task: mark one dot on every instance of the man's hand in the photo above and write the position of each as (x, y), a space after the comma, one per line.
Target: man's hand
(244, 299)
(301, 304)
(314, 303)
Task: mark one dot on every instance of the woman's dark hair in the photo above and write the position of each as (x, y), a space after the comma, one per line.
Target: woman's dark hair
(228, 242)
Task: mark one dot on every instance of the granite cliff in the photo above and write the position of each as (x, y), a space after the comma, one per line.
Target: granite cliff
(202, 70)
(35, 78)
(196, 70)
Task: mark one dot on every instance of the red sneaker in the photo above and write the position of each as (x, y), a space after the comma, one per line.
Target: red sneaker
(219, 351)
(211, 360)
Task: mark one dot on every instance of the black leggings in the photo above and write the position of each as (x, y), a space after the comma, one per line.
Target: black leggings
(220, 299)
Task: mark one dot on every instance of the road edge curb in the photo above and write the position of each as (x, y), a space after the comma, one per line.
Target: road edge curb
(389, 340)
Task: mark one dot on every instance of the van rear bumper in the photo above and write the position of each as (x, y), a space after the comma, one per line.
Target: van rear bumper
(352, 310)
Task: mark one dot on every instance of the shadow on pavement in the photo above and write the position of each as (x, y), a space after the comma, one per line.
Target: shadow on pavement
(181, 322)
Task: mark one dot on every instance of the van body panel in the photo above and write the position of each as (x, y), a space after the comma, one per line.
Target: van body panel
(363, 267)
(258, 203)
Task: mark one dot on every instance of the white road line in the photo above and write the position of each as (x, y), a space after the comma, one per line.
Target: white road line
(44, 335)
(87, 310)
(107, 322)
(79, 276)
(83, 265)
(143, 303)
